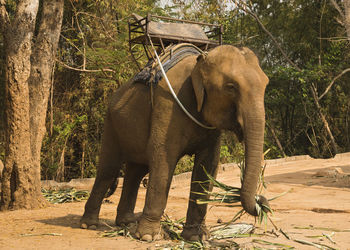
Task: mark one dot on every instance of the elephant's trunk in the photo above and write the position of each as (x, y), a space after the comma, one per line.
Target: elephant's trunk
(254, 125)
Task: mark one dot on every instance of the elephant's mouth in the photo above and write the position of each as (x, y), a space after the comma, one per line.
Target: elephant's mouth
(231, 123)
(236, 126)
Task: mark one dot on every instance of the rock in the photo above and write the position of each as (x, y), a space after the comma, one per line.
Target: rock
(335, 172)
(325, 173)
(49, 184)
(82, 183)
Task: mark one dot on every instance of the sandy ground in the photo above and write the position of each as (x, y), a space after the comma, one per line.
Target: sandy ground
(318, 202)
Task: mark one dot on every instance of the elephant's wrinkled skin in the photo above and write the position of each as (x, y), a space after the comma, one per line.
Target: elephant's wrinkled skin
(225, 89)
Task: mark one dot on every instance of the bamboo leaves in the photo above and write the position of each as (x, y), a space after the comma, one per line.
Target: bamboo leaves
(65, 195)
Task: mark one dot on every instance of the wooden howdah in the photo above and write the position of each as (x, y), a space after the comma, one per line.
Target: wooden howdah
(165, 31)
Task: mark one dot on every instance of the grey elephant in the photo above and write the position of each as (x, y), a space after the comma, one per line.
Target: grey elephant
(223, 89)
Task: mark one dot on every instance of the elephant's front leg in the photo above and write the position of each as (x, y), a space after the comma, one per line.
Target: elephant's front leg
(195, 228)
(161, 170)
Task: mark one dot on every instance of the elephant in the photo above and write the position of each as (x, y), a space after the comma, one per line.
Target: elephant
(223, 88)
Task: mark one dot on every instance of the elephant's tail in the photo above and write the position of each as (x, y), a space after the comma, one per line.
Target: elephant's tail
(113, 187)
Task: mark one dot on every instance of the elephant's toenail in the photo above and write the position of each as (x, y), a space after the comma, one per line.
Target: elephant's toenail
(147, 238)
(194, 238)
(93, 227)
(83, 226)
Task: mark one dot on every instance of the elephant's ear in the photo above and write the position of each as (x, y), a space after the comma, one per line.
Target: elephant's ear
(197, 83)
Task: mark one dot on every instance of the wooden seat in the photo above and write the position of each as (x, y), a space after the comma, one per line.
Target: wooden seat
(173, 31)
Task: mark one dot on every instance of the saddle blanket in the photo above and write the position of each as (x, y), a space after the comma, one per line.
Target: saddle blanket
(173, 54)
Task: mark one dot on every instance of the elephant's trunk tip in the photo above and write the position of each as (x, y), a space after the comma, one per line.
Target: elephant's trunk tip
(250, 205)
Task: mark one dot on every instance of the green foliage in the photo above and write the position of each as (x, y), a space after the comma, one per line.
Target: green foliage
(64, 195)
(94, 43)
(185, 164)
(231, 150)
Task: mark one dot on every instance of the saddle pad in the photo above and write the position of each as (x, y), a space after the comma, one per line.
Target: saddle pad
(172, 55)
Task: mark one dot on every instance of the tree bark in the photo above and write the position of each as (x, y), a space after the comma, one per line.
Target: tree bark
(28, 71)
(346, 4)
(43, 62)
(19, 190)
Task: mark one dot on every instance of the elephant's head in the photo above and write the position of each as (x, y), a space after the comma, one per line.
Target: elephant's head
(229, 86)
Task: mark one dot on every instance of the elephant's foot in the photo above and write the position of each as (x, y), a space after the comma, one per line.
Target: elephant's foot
(89, 222)
(195, 232)
(149, 230)
(127, 218)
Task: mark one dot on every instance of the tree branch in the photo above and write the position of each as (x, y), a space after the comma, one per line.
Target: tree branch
(243, 6)
(272, 129)
(84, 70)
(332, 82)
(71, 43)
(313, 89)
(337, 7)
(324, 120)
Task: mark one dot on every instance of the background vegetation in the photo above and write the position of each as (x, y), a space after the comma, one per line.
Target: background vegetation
(94, 60)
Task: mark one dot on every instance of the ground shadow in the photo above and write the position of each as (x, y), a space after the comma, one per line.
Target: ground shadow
(73, 221)
(327, 177)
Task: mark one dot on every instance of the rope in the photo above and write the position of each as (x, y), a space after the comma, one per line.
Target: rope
(173, 93)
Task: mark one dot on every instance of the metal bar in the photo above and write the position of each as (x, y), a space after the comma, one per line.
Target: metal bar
(146, 50)
(185, 21)
(182, 38)
(138, 21)
(167, 38)
(131, 52)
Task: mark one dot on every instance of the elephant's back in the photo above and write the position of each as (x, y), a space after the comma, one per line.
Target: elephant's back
(130, 110)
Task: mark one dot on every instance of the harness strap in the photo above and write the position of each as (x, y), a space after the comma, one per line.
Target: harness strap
(173, 93)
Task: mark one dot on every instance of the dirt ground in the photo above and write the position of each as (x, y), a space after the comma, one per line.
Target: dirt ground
(318, 202)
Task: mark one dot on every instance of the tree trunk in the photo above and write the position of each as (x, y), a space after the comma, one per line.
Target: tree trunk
(346, 5)
(43, 62)
(324, 121)
(28, 69)
(19, 183)
(279, 145)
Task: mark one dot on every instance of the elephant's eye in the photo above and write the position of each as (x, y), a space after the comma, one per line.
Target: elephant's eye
(231, 86)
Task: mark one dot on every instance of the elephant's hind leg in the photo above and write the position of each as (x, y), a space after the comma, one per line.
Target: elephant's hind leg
(133, 176)
(107, 170)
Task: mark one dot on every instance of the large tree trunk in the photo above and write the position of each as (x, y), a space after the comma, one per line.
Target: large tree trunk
(43, 62)
(19, 183)
(25, 120)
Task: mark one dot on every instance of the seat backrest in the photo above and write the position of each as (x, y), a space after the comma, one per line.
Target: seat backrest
(173, 30)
